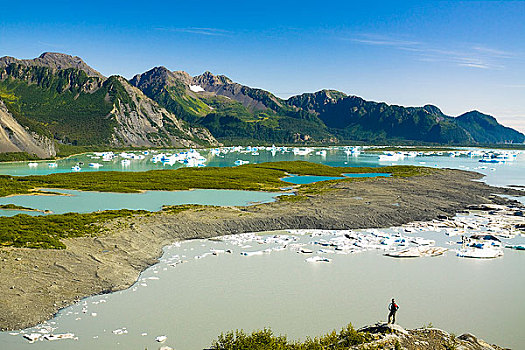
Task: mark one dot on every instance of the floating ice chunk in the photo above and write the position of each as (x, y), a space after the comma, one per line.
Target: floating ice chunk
(317, 259)
(305, 251)
(51, 337)
(260, 252)
(120, 331)
(33, 337)
(161, 338)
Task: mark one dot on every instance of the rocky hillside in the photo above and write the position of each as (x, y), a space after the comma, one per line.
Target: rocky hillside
(232, 111)
(58, 100)
(16, 139)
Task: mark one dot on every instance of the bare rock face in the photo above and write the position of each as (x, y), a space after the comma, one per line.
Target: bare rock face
(208, 79)
(142, 122)
(256, 99)
(15, 138)
(55, 61)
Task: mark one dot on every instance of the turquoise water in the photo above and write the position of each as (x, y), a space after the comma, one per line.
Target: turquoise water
(86, 202)
(308, 179)
(510, 173)
(368, 175)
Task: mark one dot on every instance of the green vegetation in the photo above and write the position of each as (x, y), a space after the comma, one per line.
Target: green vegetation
(46, 231)
(17, 157)
(266, 340)
(61, 104)
(253, 177)
(16, 207)
(175, 209)
(11, 185)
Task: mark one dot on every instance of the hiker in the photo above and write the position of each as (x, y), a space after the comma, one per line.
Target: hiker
(393, 307)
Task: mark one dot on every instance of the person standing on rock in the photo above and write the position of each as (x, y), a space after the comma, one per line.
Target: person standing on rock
(393, 307)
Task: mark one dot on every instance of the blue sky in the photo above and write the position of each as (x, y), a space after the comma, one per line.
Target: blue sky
(459, 56)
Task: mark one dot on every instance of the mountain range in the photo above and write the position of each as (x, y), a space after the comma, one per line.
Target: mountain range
(57, 101)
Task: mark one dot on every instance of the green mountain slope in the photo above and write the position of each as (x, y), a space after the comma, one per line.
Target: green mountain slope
(353, 118)
(75, 106)
(485, 128)
(232, 112)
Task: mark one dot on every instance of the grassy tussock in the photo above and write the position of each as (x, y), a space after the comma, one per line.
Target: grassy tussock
(266, 340)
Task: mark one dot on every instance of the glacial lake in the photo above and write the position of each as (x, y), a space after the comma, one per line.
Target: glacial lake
(87, 202)
(192, 303)
(509, 173)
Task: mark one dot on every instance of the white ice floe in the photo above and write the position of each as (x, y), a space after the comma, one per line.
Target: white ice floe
(318, 259)
(120, 331)
(63, 336)
(32, 337)
(161, 338)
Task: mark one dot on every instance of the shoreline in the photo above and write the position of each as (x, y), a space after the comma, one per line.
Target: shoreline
(41, 282)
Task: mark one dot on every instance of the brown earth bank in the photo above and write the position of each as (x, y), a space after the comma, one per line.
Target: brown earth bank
(37, 283)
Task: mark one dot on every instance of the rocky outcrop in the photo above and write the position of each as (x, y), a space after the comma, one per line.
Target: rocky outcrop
(160, 76)
(388, 336)
(15, 138)
(208, 79)
(315, 102)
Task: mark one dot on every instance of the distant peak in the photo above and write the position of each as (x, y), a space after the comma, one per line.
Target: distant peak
(208, 78)
(161, 75)
(54, 60)
(57, 55)
(433, 110)
(159, 71)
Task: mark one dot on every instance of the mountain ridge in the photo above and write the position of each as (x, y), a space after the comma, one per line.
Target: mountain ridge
(58, 99)
(339, 116)
(55, 60)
